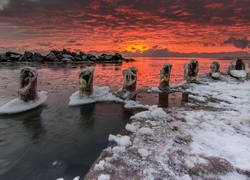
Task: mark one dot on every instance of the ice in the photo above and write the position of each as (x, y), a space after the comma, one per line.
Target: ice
(100, 165)
(17, 105)
(99, 94)
(238, 73)
(143, 152)
(102, 94)
(145, 131)
(210, 139)
(104, 177)
(131, 128)
(215, 75)
(77, 178)
(120, 140)
(154, 89)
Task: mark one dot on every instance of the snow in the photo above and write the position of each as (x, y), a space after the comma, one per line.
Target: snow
(17, 105)
(104, 177)
(131, 128)
(120, 140)
(206, 139)
(143, 152)
(146, 131)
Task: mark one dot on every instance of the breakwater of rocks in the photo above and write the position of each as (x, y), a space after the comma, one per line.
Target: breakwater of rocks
(62, 56)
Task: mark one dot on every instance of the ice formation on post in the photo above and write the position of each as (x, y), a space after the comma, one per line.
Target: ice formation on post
(215, 70)
(129, 85)
(28, 84)
(165, 77)
(191, 70)
(237, 69)
(129, 77)
(28, 96)
(85, 81)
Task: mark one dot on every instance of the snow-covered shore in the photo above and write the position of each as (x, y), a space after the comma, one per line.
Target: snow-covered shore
(206, 138)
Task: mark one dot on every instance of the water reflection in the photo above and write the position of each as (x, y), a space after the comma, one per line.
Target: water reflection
(86, 118)
(33, 123)
(163, 99)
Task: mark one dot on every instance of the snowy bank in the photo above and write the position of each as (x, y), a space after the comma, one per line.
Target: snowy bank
(207, 138)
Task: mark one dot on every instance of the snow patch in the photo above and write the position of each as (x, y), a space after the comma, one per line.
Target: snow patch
(104, 177)
(143, 152)
(146, 131)
(120, 140)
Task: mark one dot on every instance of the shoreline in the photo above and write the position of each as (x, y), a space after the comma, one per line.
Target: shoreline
(184, 142)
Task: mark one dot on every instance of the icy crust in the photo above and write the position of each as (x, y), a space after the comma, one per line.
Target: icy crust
(238, 73)
(102, 94)
(99, 94)
(205, 139)
(17, 105)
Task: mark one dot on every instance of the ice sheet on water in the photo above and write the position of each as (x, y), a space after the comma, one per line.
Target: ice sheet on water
(17, 105)
(99, 94)
(102, 94)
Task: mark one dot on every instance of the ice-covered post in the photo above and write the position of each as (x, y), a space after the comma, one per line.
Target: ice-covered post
(27, 90)
(215, 70)
(191, 70)
(165, 77)
(237, 69)
(129, 77)
(85, 81)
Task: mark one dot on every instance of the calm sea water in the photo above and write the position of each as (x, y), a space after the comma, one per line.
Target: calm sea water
(55, 140)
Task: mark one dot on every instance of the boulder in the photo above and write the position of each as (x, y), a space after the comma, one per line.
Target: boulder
(237, 69)
(28, 54)
(37, 57)
(51, 57)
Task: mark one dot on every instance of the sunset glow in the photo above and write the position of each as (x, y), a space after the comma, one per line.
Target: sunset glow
(144, 28)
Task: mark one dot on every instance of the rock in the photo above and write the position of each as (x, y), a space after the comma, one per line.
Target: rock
(66, 60)
(165, 77)
(65, 51)
(28, 54)
(191, 70)
(68, 57)
(51, 57)
(23, 59)
(118, 56)
(37, 57)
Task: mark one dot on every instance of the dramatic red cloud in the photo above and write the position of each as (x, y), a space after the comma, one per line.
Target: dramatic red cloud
(134, 27)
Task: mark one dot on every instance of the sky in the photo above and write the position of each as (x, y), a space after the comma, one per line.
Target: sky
(131, 27)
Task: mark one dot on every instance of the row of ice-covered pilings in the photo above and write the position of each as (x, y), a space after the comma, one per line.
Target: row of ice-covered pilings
(27, 90)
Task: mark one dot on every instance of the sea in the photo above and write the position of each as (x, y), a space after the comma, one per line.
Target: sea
(56, 140)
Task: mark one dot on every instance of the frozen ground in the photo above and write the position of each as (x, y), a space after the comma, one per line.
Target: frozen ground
(206, 138)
